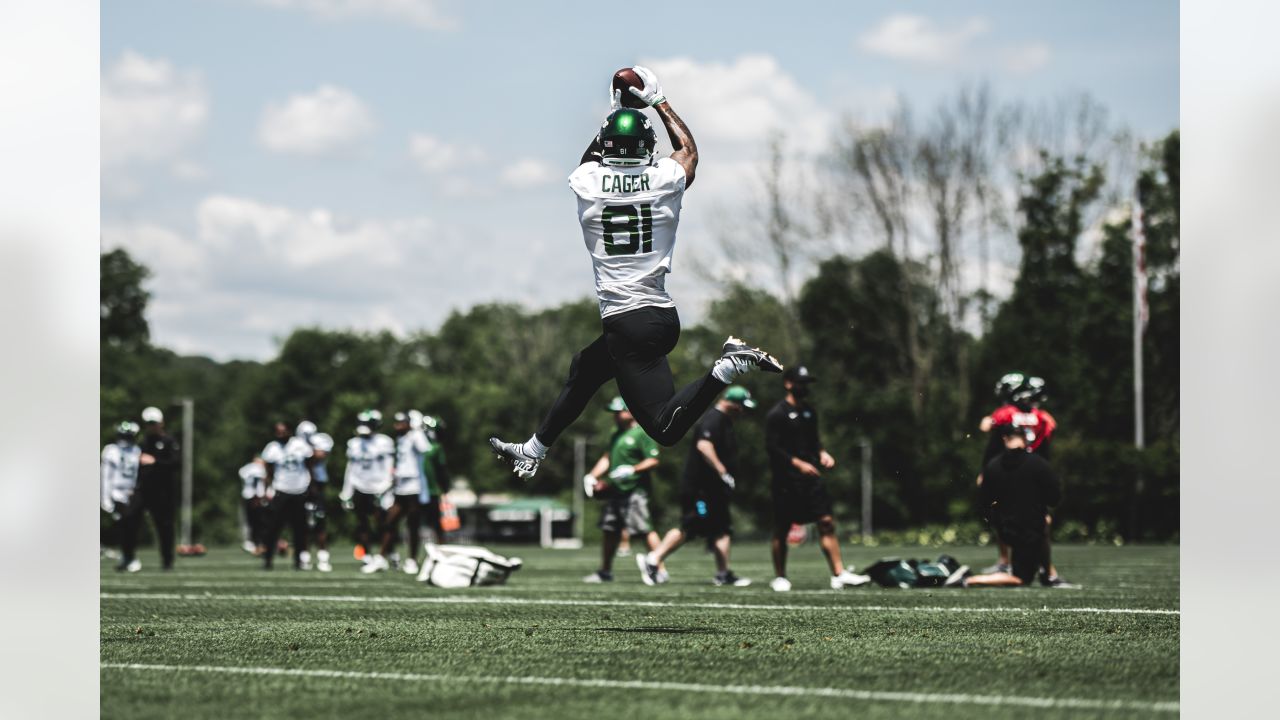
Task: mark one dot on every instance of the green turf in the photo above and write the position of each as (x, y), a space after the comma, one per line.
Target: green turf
(865, 639)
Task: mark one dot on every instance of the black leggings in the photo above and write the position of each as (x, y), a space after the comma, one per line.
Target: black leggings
(367, 509)
(633, 350)
(291, 509)
(155, 498)
(407, 507)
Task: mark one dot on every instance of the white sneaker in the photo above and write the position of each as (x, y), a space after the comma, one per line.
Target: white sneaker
(847, 579)
(322, 561)
(780, 584)
(134, 565)
(648, 571)
(304, 560)
(248, 546)
(410, 567)
(377, 564)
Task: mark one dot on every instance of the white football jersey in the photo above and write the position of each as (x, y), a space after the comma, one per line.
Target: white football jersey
(254, 477)
(289, 461)
(629, 217)
(410, 447)
(369, 463)
(119, 471)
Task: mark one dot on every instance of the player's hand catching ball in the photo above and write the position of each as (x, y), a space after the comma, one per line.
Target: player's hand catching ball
(651, 93)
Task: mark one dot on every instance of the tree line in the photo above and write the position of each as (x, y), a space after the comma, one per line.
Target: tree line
(907, 350)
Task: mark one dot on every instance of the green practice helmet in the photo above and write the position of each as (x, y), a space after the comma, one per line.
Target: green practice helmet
(1007, 384)
(627, 139)
(740, 395)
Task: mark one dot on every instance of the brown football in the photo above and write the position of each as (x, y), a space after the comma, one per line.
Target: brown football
(624, 78)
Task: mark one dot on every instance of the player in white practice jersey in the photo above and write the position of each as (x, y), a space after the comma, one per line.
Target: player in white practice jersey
(120, 461)
(253, 496)
(629, 209)
(317, 516)
(411, 448)
(287, 458)
(370, 457)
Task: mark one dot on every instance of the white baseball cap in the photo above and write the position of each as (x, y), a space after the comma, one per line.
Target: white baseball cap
(152, 415)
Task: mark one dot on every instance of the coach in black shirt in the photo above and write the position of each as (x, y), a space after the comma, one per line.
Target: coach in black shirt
(157, 479)
(1018, 489)
(797, 460)
(706, 490)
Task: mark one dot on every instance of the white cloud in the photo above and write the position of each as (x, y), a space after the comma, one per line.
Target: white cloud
(151, 111)
(427, 14)
(527, 173)
(1026, 59)
(288, 239)
(327, 120)
(919, 39)
(434, 155)
(740, 102)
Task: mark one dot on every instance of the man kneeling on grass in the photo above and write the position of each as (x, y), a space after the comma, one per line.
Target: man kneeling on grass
(706, 490)
(1017, 491)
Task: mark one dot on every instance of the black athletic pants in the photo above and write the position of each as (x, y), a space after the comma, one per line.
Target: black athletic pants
(253, 518)
(407, 506)
(368, 508)
(290, 509)
(157, 499)
(633, 350)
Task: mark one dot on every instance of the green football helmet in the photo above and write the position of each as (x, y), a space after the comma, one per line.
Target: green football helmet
(627, 139)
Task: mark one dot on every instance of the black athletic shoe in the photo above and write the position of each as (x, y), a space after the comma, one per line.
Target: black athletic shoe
(524, 466)
(742, 354)
(1056, 582)
(728, 578)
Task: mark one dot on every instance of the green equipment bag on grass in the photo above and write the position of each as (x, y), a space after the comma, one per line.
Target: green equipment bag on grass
(907, 574)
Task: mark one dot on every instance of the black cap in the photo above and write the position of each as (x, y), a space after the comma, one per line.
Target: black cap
(798, 373)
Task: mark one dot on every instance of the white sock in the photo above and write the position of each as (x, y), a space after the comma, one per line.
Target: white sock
(323, 555)
(533, 447)
(725, 370)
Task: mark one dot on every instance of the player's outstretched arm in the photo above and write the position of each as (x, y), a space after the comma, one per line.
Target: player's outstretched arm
(684, 149)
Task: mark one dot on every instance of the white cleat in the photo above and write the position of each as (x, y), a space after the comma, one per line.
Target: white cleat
(523, 465)
(322, 561)
(780, 584)
(134, 565)
(648, 570)
(248, 547)
(377, 564)
(848, 579)
(304, 560)
(410, 567)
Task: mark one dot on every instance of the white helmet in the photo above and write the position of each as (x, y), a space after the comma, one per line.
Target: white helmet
(152, 415)
(306, 429)
(322, 442)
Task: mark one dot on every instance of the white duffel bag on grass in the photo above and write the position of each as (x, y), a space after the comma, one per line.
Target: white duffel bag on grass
(458, 566)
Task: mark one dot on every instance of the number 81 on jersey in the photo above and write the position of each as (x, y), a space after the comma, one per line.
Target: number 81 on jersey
(628, 229)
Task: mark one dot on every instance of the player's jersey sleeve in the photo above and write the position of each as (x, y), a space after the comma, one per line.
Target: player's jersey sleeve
(648, 446)
(1003, 415)
(670, 176)
(272, 454)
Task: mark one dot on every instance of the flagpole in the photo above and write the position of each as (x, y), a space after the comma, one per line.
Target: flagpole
(1139, 326)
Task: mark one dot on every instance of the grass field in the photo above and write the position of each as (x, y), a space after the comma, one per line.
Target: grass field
(220, 638)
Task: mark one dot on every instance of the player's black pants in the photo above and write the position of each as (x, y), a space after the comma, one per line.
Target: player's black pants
(156, 498)
(291, 510)
(369, 519)
(633, 350)
(255, 520)
(407, 507)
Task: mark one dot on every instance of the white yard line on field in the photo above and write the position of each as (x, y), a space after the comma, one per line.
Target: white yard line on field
(777, 690)
(493, 600)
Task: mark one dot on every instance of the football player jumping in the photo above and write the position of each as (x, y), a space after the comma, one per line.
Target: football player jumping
(629, 208)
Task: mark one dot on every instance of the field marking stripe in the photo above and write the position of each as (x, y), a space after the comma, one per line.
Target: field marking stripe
(491, 600)
(783, 690)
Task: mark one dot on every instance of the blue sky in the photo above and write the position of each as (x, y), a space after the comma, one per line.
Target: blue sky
(377, 163)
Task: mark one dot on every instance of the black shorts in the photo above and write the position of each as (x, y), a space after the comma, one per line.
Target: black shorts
(800, 501)
(705, 517)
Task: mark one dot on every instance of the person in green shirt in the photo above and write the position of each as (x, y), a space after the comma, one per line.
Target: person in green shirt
(436, 470)
(620, 479)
